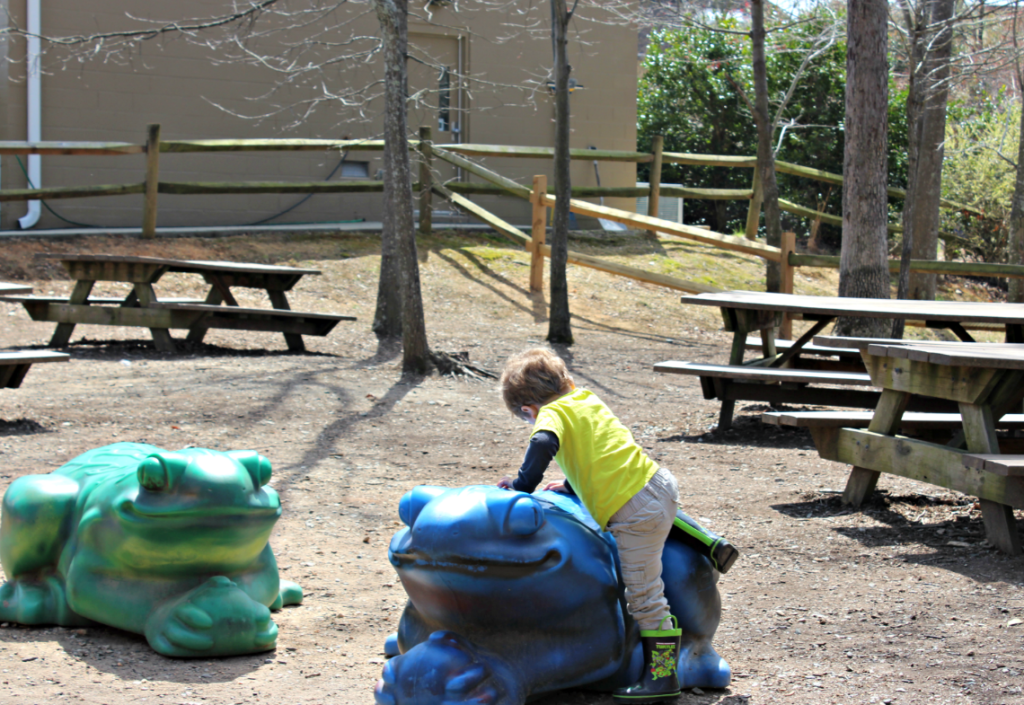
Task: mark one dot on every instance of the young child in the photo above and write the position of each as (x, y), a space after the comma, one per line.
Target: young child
(622, 488)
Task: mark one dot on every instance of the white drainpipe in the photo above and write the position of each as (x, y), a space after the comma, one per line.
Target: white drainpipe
(35, 170)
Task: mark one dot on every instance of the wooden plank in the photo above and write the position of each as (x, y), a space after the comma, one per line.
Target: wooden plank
(912, 420)
(960, 269)
(149, 209)
(626, 271)
(1001, 526)
(642, 222)
(493, 150)
(30, 357)
(970, 385)
(538, 232)
(654, 196)
(764, 374)
(94, 300)
(219, 187)
(178, 265)
(9, 289)
(239, 311)
(69, 148)
(501, 226)
(834, 220)
(755, 343)
(934, 311)
(54, 192)
(926, 462)
(272, 145)
(703, 194)
(708, 160)
(998, 464)
(1003, 356)
(516, 189)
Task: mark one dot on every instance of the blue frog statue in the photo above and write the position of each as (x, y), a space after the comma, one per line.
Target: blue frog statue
(513, 595)
(169, 544)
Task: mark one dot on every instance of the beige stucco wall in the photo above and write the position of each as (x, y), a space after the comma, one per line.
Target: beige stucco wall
(174, 82)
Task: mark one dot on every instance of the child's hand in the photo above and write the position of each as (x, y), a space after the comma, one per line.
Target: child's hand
(555, 486)
(505, 483)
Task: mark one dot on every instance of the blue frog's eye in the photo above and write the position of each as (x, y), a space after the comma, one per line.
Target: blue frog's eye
(412, 502)
(525, 516)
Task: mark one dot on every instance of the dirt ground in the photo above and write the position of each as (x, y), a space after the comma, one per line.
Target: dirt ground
(901, 602)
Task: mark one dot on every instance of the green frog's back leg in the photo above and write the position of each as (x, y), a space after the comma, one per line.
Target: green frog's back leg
(37, 516)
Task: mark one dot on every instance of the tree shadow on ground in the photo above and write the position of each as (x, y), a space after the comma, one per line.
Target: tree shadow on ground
(949, 526)
(22, 427)
(90, 349)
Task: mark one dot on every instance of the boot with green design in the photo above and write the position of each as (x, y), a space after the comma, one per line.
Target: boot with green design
(659, 680)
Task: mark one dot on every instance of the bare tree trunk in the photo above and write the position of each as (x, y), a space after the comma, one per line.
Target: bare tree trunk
(559, 328)
(1015, 252)
(926, 116)
(863, 264)
(765, 153)
(393, 16)
(387, 319)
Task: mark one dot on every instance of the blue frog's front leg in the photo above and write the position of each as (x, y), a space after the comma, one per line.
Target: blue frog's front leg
(447, 669)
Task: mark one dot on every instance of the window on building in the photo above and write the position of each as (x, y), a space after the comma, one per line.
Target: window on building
(444, 99)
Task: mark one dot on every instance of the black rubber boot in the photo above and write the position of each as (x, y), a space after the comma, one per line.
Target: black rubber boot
(720, 552)
(660, 678)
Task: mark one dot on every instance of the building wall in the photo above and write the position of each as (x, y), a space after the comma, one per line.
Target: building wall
(197, 92)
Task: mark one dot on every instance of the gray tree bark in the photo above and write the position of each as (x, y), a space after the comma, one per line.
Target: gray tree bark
(765, 152)
(1015, 244)
(863, 263)
(559, 326)
(400, 229)
(931, 48)
(1015, 250)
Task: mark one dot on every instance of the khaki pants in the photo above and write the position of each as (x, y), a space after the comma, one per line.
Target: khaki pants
(640, 528)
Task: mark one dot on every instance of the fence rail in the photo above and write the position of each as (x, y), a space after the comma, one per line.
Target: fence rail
(538, 194)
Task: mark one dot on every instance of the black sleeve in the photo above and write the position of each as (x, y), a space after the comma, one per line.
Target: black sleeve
(542, 448)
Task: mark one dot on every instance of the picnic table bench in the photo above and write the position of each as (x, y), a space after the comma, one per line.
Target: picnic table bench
(746, 312)
(986, 381)
(142, 308)
(15, 365)
(6, 288)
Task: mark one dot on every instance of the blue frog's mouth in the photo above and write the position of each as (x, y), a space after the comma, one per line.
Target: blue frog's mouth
(498, 568)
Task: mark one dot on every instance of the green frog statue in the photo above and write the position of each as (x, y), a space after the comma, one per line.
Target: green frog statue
(169, 544)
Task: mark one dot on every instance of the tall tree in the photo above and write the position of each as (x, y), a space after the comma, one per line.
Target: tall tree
(930, 37)
(399, 229)
(864, 264)
(1015, 249)
(765, 150)
(559, 326)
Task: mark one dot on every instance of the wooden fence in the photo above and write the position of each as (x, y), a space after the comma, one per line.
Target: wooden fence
(538, 195)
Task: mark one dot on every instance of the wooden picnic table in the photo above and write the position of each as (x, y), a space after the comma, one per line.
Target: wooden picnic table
(986, 381)
(745, 312)
(142, 308)
(8, 289)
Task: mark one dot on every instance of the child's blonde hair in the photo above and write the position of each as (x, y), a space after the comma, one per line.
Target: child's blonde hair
(535, 376)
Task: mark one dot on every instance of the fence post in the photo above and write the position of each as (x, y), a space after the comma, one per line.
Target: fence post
(787, 245)
(538, 232)
(655, 180)
(426, 180)
(152, 181)
(754, 212)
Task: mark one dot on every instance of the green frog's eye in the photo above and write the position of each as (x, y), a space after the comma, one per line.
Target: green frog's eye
(160, 471)
(258, 466)
(152, 474)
